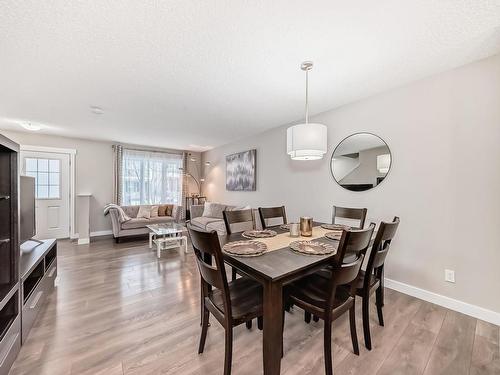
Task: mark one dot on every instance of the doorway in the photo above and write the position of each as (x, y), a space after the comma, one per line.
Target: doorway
(52, 173)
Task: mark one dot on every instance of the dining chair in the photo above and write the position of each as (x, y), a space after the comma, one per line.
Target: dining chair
(231, 303)
(372, 279)
(325, 298)
(239, 221)
(358, 214)
(267, 213)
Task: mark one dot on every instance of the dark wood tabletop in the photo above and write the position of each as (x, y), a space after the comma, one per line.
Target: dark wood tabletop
(275, 265)
(274, 270)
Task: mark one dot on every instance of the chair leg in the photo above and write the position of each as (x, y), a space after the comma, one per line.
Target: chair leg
(354, 335)
(282, 331)
(249, 324)
(228, 358)
(307, 317)
(260, 323)
(233, 273)
(328, 347)
(379, 294)
(204, 328)
(366, 322)
(315, 318)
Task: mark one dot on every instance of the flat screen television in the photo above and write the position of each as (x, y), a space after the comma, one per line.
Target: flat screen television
(27, 228)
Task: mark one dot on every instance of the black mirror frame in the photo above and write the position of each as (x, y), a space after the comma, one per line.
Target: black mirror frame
(349, 136)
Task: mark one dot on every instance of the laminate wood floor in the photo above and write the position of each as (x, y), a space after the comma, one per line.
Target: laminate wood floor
(119, 310)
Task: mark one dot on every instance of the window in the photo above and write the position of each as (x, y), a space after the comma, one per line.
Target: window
(151, 178)
(47, 174)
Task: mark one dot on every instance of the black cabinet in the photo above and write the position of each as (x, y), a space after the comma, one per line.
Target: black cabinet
(9, 255)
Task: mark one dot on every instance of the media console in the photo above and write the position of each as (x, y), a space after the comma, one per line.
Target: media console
(38, 272)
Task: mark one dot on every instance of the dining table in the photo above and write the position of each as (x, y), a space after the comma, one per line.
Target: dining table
(274, 269)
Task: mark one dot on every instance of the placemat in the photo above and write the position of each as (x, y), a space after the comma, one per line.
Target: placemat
(283, 240)
(245, 248)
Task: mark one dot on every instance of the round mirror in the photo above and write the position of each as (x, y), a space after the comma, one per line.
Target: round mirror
(360, 162)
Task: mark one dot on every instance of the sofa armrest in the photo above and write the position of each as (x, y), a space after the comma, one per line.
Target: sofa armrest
(196, 210)
(115, 221)
(176, 213)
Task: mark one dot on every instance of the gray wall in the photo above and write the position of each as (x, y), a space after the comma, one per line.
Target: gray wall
(444, 134)
(94, 170)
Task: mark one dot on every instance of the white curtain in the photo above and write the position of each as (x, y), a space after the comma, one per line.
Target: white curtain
(151, 177)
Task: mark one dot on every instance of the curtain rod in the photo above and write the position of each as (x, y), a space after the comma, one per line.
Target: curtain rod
(158, 150)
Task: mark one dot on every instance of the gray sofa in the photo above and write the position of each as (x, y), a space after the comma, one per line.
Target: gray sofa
(215, 221)
(137, 226)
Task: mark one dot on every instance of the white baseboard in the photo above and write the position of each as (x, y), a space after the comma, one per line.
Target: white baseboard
(95, 234)
(101, 233)
(450, 303)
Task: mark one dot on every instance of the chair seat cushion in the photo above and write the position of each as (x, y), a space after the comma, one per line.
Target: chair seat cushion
(136, 223)
(246, 299)
(313, 291)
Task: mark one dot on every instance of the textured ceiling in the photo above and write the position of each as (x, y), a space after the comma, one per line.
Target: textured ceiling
(186, 74)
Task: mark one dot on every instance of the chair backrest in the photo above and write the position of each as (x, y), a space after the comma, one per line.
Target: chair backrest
(267, 213)
(212, 275)
(355, 241)
(351, 214)
(240, 219)
(380, 248)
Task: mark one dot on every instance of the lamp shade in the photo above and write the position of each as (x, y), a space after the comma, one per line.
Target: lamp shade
(383, 163)
(306, 141)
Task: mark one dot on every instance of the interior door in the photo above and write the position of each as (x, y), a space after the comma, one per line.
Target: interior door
(52, 192)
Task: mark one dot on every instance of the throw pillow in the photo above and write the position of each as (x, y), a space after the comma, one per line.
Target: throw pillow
(161, 210)
(213, 210)
(144, 212)
(154, 211)
(169, 209)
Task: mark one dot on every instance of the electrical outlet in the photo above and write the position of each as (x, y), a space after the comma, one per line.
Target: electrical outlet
(449, 275)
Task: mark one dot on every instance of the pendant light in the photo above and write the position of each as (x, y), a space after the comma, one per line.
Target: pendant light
(306, 141)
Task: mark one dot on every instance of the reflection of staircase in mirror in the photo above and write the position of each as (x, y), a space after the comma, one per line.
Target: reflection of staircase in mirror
(345, 165)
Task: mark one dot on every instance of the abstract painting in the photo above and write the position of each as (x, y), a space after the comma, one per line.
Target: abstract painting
(240, 171)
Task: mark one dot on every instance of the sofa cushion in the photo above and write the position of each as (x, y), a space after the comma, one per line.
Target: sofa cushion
(165, 209)
(202, 221)
(142, 222)
(131, 211)
(218, 226)
(213, 210)
(237, 208)
(144, 212)
(169, 210)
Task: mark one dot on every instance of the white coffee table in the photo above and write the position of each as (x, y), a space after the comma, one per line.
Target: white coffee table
(167, 236)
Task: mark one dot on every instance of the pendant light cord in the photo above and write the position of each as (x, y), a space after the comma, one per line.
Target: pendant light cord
(307, 96)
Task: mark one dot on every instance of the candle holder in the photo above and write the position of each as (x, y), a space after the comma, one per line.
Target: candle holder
(306, 225)
(294, 229)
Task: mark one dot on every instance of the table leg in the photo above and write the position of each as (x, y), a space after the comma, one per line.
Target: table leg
(151, 240)
(158, 249)
(273, 335)
(185, 244)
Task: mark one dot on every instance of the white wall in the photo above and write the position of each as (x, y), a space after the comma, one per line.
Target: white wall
(444, 134)
(94, 170)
